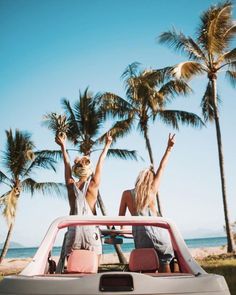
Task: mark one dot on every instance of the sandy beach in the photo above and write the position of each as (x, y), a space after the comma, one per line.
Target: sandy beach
(14, 265)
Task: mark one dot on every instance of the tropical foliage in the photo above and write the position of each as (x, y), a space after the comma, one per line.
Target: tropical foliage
(83, 124)
(209, 53)
(21, 160)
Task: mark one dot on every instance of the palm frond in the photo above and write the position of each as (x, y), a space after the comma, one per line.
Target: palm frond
(134, 90)
(155, 101)
(186, 70)
(207, 104)
(10, 205)
(3, 197)
(232, 65)
(114, 105)
(173, 88)
(155, 77)
(46, 188)
(44, 159)
(123, 154)
(88, 116)
(16, 155)
(179, 42)
(174, 39)
(54, 155)
(230, 56)
(4, 179)
(174, 117)
(231, 75)
(97, 98)
(74, 129)
(132, 70)
(215, 22)
(195, 51)
(230, 33)
(119, 129)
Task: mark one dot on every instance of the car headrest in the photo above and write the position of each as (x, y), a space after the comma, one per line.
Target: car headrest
(143, 260)
(82, 261)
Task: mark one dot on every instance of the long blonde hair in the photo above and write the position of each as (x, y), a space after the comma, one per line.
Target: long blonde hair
(143, 189)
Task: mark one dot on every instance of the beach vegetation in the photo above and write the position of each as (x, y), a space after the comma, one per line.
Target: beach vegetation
(210, 53)
(21, 160)
(225, 265)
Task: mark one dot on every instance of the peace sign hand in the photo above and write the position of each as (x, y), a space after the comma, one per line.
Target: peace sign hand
(171, 140)
(108, 138)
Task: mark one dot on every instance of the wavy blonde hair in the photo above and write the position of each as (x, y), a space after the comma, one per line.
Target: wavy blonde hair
(143, 189)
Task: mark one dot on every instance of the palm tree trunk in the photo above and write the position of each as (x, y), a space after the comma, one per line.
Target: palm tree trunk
(230, 241)
(7, 242)
(119, 252)
(148, 144)
(101, 204)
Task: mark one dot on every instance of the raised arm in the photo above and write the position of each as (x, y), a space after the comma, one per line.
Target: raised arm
(98, 170)
(159, 172)
(61, 141)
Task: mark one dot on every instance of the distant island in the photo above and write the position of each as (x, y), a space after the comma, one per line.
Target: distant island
(12, 245)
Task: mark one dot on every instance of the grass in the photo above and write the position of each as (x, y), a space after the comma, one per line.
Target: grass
(224, 265)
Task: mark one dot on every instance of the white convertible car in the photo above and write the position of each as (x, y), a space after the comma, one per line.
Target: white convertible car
(83, 273)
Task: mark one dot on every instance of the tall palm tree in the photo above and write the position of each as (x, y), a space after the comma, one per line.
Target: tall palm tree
(209, 54)
(21, 162)
(148, 92)
(83, 123)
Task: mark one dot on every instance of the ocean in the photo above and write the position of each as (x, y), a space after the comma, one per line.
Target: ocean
(126, 247)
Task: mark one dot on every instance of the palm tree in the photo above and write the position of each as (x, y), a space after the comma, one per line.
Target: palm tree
(209, 54)
(82, 123)
(148, 93)
(21, 162)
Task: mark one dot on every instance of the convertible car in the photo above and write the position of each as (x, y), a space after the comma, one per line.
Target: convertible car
(84, 272)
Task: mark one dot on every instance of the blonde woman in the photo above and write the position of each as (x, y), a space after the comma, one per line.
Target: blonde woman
(142, 201)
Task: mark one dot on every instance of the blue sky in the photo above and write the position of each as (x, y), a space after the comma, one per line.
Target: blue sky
(52, 49)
